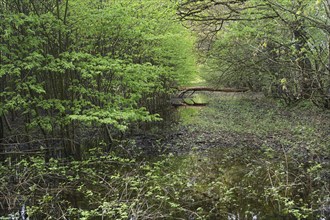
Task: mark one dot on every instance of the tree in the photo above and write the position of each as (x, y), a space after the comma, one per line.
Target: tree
(287, 41)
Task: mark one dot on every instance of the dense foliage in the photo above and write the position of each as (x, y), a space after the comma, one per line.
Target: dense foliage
(74, 69)
(82, 82)
(279, 47)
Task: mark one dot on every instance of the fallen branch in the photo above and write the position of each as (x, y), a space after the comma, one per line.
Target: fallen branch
(188, 104)
(177, 102)
(183, 91)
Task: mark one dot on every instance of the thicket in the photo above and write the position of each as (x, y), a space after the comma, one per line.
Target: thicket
(76, 73)
(278, 47)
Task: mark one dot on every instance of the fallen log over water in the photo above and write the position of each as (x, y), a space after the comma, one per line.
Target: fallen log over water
(184, 90)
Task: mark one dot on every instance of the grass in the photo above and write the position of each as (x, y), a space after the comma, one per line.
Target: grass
(245, 114)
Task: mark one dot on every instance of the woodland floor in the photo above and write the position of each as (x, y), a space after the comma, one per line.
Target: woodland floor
(245, 139)
(241, 155)
(245, 119)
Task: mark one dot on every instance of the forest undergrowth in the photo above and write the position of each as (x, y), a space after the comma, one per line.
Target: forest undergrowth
(242, 156)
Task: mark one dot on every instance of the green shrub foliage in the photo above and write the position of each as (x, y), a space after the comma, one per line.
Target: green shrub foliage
(68, 65)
